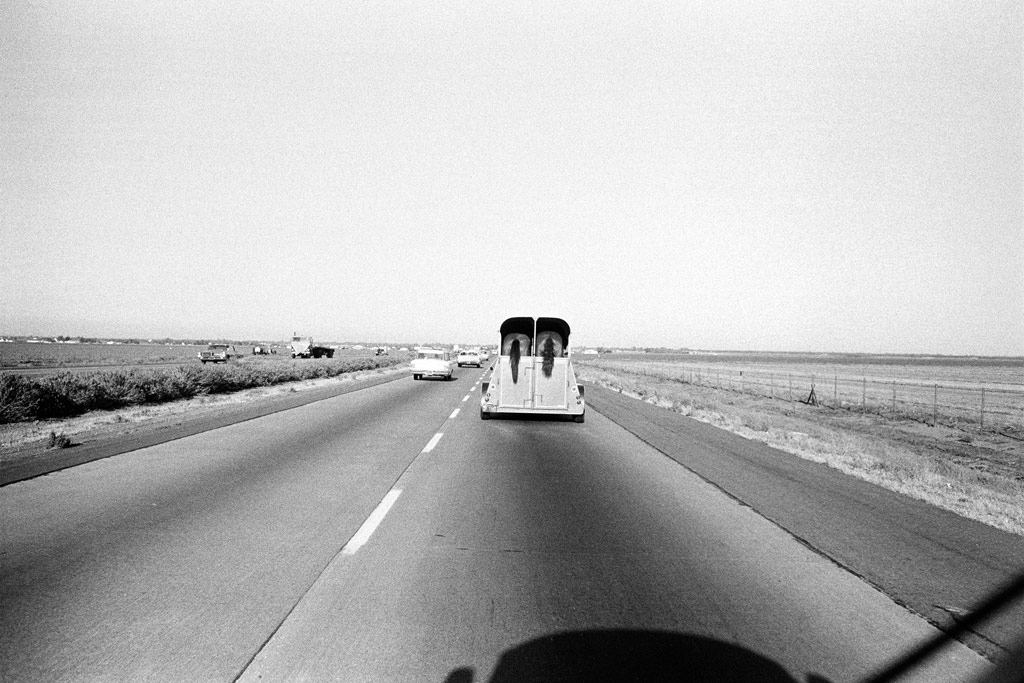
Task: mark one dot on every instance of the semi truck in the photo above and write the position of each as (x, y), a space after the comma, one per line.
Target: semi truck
(303, 347)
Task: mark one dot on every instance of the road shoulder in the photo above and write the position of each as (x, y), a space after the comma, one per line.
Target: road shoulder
(36, 459)
(930, 560)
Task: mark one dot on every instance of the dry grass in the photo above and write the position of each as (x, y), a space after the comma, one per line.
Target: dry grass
(980, 477)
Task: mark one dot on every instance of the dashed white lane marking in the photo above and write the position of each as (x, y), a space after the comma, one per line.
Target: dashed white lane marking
(433, 442)
(377, 516)
(371, 523)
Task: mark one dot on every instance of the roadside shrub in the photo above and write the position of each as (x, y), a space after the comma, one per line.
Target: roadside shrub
(58, 441)
(20, 398)
(755, 421)
(58, 396)
(67, 394)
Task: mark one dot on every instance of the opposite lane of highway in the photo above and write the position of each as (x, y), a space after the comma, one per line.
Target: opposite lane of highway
(177, 561)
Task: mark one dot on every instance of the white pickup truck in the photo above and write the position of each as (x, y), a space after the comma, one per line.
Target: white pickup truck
(432, 363)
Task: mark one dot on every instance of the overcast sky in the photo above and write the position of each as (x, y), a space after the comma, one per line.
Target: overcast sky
(794, 176)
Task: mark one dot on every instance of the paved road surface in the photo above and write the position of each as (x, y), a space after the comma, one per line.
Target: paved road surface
(501, 549)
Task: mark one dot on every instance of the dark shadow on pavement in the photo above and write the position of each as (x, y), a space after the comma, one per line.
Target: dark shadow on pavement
(530, 417)
(630, 655)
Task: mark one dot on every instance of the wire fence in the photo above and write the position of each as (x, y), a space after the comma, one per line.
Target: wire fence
(930, 402)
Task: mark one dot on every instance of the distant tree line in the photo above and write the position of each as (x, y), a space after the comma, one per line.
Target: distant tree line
(77, 339)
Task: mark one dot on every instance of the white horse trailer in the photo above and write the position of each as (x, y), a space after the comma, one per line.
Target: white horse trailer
(533, 374)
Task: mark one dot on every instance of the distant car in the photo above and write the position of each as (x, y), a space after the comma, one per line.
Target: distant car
(470, 357)
(432, 363)
(218, 353)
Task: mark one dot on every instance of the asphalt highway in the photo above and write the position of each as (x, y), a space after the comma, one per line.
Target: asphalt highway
(388, 534)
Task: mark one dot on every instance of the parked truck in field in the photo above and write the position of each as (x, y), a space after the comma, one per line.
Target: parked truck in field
(218, 353)
(303, 347)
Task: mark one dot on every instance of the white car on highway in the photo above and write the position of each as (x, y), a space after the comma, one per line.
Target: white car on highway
(470, 357)
(432, 363)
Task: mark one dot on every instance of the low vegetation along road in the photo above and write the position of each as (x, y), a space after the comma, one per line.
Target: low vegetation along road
(388, 534)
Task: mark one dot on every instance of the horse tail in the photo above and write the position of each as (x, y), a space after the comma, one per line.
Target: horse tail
(513, 353)
(549, 357)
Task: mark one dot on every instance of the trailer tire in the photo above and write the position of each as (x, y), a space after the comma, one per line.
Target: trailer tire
(578, 419)
(484, 415)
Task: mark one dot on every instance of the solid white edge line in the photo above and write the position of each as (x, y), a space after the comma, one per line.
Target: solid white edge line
(371, 523)
(454, 413)
(433, 442)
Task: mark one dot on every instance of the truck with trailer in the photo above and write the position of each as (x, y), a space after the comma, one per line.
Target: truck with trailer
(303, 347)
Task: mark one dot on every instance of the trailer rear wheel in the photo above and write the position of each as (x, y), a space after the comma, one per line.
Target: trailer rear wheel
(484, 415)
(578, 418)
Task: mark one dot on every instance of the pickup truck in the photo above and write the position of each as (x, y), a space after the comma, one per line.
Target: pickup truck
(432, 363)
(218, 353)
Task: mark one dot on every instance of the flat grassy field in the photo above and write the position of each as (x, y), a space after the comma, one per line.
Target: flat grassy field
(16, 356)
(956, 462)
(942, 390)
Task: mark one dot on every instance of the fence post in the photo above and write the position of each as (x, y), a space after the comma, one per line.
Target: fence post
(894, 399)
(983, 406)
(863, 393)
(835, 390)
(935, 407)
(771, 378)
(791, 388)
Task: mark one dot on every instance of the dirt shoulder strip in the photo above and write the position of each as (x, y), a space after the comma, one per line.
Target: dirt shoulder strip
(934, 562)
(54, 460)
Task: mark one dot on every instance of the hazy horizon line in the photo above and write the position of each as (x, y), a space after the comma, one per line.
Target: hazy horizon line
(647, 348)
